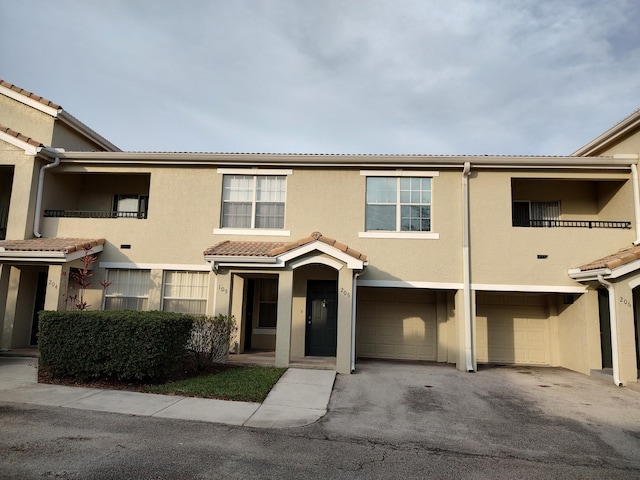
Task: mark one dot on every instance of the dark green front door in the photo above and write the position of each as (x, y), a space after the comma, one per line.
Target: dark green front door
(322, 318)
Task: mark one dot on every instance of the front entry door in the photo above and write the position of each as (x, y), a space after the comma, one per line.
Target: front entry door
(322, 318)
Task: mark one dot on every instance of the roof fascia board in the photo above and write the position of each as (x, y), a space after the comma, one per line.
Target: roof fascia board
(362, 161)
(46, 256)
(16, 142)
(351, 262)
(611, 135)
(29, 101)
(609, 273)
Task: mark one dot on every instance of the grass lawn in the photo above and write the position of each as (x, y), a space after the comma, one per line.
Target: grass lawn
(247, 384)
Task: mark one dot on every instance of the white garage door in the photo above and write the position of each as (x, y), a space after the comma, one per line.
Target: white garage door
(396, 324)
(512, 328)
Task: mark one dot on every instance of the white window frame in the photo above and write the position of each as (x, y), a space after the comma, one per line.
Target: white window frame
(106, 290)
(204, 299)
(255, 173)
(430, 235)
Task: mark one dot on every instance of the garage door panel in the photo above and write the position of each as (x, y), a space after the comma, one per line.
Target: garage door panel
(396, 330)
(512, 329)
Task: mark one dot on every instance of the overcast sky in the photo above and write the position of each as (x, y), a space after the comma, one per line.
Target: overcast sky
(514, 77)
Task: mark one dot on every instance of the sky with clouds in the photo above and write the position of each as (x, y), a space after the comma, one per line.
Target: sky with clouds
(512, 77)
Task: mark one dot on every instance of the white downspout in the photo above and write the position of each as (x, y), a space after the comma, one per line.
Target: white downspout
(614, 330)
(353, 320)
(36, 220)
(636, 201)
(466, 269)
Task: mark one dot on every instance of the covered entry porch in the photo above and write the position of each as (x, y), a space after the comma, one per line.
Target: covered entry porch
(292, 301)
(34, 276)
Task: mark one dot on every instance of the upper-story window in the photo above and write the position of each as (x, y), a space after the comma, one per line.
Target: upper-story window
(253, 200)
(398, 204)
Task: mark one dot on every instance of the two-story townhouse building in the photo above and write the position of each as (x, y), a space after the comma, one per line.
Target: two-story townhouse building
(457, 259)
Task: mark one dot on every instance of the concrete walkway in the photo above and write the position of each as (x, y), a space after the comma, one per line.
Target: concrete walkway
(299, 398)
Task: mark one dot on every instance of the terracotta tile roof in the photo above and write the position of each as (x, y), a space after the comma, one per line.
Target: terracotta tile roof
(20, 136)
(31, 95)
(65, 245)
(273, 249)
(243, 249)
(621, 257)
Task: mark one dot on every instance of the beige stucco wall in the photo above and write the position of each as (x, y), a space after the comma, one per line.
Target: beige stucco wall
(69, 139)
(26, 120)
(23, 190)
(503, 254)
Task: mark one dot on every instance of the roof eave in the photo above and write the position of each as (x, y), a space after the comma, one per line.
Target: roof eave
(87, 132)
(614, 133)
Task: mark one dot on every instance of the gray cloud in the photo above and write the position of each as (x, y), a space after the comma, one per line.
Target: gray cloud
(364, 76)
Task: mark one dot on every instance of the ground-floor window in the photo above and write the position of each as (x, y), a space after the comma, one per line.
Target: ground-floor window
(185, 292)
(128, 289)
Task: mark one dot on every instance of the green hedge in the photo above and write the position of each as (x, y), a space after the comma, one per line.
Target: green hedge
(127, 345)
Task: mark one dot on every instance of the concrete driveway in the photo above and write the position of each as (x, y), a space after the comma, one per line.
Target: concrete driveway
(546, 414)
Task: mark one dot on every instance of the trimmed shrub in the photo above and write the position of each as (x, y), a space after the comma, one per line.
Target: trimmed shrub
(210, 339)
(126, 345)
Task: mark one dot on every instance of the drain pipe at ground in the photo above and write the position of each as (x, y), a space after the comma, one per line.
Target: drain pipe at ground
(614, 330)
(466, 269)
(36, 219)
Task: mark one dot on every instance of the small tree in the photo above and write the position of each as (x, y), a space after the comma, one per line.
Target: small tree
(210, 340)
(82, 280)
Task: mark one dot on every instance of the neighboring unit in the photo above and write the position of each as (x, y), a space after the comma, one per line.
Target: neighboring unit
(457, 259)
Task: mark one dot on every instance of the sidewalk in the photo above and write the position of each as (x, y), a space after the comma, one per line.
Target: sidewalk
(299, 398)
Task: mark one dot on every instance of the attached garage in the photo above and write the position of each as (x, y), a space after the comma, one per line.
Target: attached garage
(396, 323)
(512, 328)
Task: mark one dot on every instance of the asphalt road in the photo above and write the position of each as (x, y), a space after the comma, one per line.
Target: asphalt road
(390, 420)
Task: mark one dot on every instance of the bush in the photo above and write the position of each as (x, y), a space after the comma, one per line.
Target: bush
(126, 345)
(210, 339)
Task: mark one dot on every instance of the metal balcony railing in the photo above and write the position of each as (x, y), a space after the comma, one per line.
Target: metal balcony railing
(92, 214)
(571, 224)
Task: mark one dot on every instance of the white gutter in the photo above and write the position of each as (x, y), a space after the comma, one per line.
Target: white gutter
(636, 201)
(614, 330)
(353, 319)
(466, 269)
(36, 219)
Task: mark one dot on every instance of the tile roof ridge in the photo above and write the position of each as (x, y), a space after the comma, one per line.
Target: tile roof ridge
(20, 136)
(29, 94)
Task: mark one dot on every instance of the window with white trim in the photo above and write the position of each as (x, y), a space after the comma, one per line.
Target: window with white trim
(253, 201)
(127, 289)
(185, 292)
(398, 204)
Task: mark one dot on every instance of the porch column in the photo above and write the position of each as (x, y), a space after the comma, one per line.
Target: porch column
(345, 310)
(13, 282)
(53, 300)
(237, 295)
(4, 290)
(628, 371)
(283, 325)
(222, 293)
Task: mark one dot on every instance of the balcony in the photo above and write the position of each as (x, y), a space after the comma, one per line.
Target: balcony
(93, 214)
(571, 223)
(97, 195)
(570, 203)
